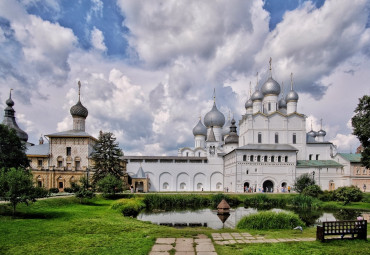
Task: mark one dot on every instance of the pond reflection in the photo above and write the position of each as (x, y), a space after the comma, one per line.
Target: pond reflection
(210, 218)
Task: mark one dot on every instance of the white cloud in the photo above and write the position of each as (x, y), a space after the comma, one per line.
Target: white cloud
(95, 10)
(97, 39)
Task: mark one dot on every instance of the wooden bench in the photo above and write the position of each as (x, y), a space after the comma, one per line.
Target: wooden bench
(342, 228)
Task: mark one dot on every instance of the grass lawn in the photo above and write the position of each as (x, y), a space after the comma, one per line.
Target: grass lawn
(63, 226)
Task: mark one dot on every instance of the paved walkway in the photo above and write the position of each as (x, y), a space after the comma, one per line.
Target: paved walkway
(201, 245)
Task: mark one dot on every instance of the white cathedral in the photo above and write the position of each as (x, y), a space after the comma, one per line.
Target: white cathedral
(272, 149)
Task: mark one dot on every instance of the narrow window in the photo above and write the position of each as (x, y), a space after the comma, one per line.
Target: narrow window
(272, 158)
(39, 163)
(61, 185)
(251, 159)
(286, 158)
(259, 137)
(78, 165)
(269, 106)
(68, 151)
(60, 163)
(258, 158)
(244, 157)
(247, 172)
(276, 137)
(265, 159)
(39, 184)
(279, 159)
(310, 157)
(199, 154)
(317, 156)
(294, 138)
(187, 154)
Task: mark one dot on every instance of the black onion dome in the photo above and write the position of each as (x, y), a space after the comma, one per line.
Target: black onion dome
(200, 129)
(282, 103)
(214, 118)
(78, 110)
(9, 102)
(270, 87)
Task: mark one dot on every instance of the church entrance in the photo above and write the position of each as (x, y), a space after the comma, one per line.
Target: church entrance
(268, 186)
(246, 186)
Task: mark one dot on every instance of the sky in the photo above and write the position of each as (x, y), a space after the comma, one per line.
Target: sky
(148, 68)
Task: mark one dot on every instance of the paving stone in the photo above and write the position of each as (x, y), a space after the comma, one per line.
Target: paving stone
(219, 242)
(218, 239)
(216, 234)
(204, 247)
(206, 253)
(254, 241)
(184, 253)
(226, 236)
(240, 241)
(184, 240)
(184, 247)
(246, 234)
(202, 236)
(232, 241)
(236, 234)
(165, 240)
(249, 238)
(203, 240)
(247, 241)
(271, 241)
(162, 247)
(159, 253)
(281, 239)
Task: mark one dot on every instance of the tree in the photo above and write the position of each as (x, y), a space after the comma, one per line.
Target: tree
(110, 185)
(107, 157)
(348, 194)
(312, 191)
(83, 191)
(361, 128)
(302, 182)
(12, 149)
(16, 186)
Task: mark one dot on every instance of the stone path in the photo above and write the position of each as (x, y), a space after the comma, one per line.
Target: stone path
(201, 245)
(232, 238)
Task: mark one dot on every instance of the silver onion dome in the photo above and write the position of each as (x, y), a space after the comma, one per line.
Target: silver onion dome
(214, 118)
(78, 110)
(249, 103)
(312, 133)
(270, 87)
(321, 133)
(282, 103)
(292, 96)
(200, 129)
(257, 95)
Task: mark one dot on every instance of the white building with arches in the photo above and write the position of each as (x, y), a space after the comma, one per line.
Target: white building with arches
(272, 149)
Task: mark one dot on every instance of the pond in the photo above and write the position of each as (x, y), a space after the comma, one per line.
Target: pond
(209, 218)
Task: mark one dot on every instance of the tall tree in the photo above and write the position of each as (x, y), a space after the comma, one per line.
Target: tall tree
(361, 127)
(12, 149)
(107, 157)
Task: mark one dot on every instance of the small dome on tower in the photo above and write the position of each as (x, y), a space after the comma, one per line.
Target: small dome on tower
(282, 103)
(292, 96)
(200, 129)
(312, 133)
(78, 110)
(321, 133)
(249, 103)
(214, 118)
(9, 102)
(257, 95)
(270, 87)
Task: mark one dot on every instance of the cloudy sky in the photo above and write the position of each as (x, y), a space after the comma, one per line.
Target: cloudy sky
(148, 68)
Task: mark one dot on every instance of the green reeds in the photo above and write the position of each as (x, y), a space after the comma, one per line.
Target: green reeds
(129, 206)
(270, 220)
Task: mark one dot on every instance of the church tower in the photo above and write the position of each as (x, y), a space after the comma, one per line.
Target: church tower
(79, 113)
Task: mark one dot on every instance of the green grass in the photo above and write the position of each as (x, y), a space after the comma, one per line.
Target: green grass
(63, 226)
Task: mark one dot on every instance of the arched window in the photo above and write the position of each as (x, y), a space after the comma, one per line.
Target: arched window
(259, 137)
(272, 158)
(166, 186)
(269, 106)
(244, 157)
(251, 158)
(279, 158)
(39, 181)
(199, 186)
(265, 159)
(219, 186)
(199, 154)
(183, 186)
(294, 138)
(286, 158)
(276, 137)
(258, 158)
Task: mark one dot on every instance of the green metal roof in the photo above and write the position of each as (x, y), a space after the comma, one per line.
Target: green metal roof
(351, 157)
(317, 163)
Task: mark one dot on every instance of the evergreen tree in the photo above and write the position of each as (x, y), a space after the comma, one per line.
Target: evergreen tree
(107, 157)
(12, 149)
(361, 128)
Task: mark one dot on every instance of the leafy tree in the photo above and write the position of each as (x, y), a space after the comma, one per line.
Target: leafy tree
(83, 191)
(107, 157)
(16, 186)
(12, 149)
(302, 182)
(312, 191)
(110, 185)
(348, 194)
(361, 127)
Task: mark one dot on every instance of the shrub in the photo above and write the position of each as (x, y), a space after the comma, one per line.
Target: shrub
(40, 192)
(312, 191)
(263, 201)
(166, 202)
(348, 194)
(327, 196)
(270, 220)
(110, 185)
(68, 190)
(83, 191)
(130, 206)
(302, 182)
(304, 202)
(54, 190)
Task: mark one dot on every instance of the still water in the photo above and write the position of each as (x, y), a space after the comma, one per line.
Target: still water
(208, 217)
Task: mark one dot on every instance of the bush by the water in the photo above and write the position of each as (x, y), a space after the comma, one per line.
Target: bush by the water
(264, 201)
(166, 202)
(304, 202)
(312, 191)
(327, 196)
(270, 220)
(129, 206)
(348, 194)
(302, 182)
